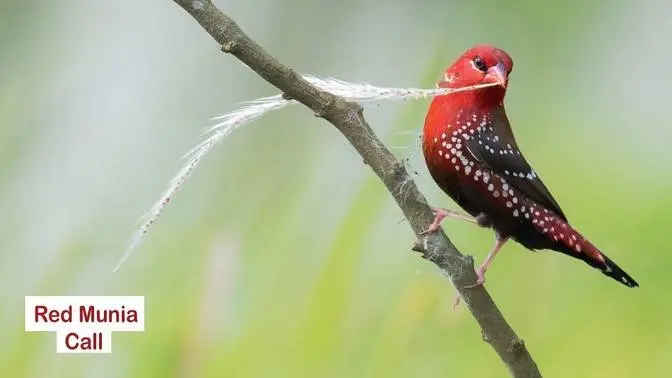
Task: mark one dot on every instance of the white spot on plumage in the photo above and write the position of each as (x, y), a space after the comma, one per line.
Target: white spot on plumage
(515, 200)
(509, 204)
(440, 152)
(505, 186)
(577, 247)
(467, 169)
(515, 213)
(495, 193)
(530, 176)
(436, 139)
(478, 172)
(448, 145)
(453, 160)
(491, 187)
(443, 135)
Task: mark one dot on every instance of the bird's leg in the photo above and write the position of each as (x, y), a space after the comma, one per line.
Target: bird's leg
(480, 273)
(441, 214)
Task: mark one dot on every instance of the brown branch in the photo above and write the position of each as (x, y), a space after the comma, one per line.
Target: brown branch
(348, 119)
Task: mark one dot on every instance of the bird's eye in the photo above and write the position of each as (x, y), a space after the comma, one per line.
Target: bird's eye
(479, 64)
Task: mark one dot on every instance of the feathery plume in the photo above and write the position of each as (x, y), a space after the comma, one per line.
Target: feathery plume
(362, 93)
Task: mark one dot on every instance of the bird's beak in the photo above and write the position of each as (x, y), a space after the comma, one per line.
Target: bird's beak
(496, 74)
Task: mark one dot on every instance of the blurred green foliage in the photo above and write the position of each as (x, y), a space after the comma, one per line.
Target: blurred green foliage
(283, 256)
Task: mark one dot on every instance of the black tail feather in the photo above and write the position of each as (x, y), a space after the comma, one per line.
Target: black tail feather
(564, 238)
(614, 271)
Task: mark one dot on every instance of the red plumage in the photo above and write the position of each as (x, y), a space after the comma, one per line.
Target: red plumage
(471, 153)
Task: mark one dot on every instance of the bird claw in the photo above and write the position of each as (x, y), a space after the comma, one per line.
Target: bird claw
(439, 215)
(432, 227)
(480, 280)
(456, 302)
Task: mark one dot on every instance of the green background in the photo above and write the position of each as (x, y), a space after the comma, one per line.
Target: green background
(283, 255)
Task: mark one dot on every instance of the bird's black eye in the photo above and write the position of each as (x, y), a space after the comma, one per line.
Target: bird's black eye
(480, 64)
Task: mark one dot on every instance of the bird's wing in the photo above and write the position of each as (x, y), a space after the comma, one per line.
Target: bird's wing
(495, 147)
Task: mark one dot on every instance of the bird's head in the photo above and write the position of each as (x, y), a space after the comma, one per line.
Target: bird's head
(481, 64)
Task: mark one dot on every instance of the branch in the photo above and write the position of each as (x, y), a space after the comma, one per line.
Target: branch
(348, 119)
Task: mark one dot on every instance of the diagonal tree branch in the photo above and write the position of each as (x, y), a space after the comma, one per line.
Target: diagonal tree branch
(348, 119)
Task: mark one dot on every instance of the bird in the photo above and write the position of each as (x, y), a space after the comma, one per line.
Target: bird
(472, 155)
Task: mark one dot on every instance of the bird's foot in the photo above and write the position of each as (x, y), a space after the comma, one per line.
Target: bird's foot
(440, 214)
(480, 272)
(480, 278)
(456, 302)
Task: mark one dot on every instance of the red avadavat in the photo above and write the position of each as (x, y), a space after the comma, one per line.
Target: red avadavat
(472, 155)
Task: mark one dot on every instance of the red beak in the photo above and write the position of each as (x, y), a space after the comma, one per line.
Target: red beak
(496, 74)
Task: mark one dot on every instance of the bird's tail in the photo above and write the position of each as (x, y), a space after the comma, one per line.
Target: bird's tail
(569, 241)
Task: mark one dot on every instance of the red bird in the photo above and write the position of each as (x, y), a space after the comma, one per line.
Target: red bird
(473, 156)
